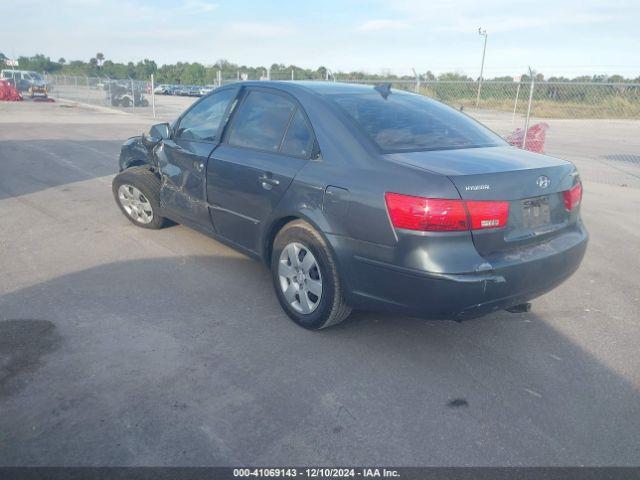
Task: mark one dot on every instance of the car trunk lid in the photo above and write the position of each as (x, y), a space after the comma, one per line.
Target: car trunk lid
(533, 185)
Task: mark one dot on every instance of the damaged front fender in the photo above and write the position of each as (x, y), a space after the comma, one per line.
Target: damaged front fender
(134, 153)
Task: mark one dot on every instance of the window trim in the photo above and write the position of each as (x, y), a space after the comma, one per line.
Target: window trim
(223, 123)
(297, 106)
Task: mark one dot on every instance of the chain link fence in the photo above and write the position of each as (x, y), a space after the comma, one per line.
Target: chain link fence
(592, 124)
(549, 99)
(101, 91)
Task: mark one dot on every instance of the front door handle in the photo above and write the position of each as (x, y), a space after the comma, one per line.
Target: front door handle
(268, 182)
(198, 166)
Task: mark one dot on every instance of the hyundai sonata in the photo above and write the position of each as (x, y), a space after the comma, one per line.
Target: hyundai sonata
(361, 197)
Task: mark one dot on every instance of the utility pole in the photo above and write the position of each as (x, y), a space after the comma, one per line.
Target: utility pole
(153, 96)
(526, 122)
(483, 33)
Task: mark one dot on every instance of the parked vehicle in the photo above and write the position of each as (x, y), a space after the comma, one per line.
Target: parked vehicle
(188, 90)
(361, 197)
(194, 91)
(207, 89)
(121, 96)
(26, 81)
(181, 90)
(163, 90)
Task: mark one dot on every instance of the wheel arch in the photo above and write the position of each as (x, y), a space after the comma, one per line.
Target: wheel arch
(134, 162)
(279, 222)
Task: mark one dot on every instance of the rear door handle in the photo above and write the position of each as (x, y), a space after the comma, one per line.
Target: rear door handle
(268, 182)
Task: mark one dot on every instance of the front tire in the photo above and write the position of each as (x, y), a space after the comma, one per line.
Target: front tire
(306, 279)
(137, 193)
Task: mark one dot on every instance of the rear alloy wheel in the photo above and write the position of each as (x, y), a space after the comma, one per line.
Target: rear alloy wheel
(306, 279)
(137, 193)
(300, 278)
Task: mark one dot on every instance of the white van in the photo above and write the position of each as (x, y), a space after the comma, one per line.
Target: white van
(26, 81)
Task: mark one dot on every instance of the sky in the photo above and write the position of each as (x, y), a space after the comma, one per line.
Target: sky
(555, 37)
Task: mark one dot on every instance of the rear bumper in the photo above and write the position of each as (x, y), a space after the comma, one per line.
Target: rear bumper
(516, 277)
(38, 88)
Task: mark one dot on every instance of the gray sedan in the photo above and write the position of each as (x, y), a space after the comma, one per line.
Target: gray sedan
(361, 197)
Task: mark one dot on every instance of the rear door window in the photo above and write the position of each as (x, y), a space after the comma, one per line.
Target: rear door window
(261, 121)
(298, 140)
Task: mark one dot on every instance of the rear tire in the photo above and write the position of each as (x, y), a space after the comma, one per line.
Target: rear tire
(137, 193)
(310, 292)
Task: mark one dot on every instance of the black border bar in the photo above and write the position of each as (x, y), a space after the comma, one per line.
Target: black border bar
(319, 473)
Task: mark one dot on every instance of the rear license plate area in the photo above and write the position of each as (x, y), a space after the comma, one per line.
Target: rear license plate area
(536, 212)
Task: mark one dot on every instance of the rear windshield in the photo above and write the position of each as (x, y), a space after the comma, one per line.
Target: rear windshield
(405, 122)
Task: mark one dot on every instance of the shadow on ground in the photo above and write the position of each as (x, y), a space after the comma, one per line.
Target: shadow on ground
(29, 166)
(190, 361)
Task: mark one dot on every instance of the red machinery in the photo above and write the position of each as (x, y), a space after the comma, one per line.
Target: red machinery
(536, 136)
(8, 92)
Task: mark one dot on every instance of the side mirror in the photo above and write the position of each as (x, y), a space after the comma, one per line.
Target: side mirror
(157, 133)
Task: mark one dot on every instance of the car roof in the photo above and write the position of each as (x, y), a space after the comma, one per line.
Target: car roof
(322, 88)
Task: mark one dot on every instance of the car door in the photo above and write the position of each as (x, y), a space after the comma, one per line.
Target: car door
(266, 144)
(183, 158)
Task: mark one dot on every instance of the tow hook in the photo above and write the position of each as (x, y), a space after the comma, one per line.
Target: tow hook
(522, 308)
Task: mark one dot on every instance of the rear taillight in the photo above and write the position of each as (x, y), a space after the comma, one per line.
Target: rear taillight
(427, 214)
(487, 214)
(442, 215)
(572, 197)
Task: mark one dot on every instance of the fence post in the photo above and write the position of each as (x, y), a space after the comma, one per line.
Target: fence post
(526, 123)
(110, 98)
(153, 96)
(219, 78)
(417, 80)
(484, 50)
(292, 74)
(515, 105)
(133, 97)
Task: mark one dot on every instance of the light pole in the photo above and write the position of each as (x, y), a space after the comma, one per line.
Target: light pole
(483, 33)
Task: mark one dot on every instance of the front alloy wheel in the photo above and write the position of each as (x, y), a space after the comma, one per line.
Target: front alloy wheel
(135, 204)
(137, 193)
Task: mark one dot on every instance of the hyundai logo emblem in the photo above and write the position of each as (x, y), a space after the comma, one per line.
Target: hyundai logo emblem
(543, 181)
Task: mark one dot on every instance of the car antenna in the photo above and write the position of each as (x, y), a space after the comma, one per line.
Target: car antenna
(383, 89)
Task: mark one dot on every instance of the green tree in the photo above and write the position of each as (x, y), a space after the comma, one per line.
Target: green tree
(453, 76)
